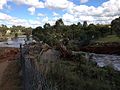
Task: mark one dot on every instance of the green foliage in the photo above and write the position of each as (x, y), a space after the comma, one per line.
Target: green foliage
(76, 32)
(15, 29)
(109, 39)
(16, 35)
(81, 74)
(3, 29)
(116, 26)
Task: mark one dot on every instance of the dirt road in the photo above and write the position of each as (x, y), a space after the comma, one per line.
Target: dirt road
(6, 55)
(3, 66)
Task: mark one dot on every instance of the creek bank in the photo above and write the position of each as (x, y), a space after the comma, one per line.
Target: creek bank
(102, 48)
(8, 54)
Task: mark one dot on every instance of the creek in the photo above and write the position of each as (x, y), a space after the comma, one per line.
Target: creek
(101, 59)
(15, 42)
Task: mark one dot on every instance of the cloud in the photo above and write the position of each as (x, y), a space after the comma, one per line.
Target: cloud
(84, 1)
(41, 15)
(45, 19)
(32, 3)
(4, 16)
(101, 14)
(9, 21)
(55, 14)
(104, 13)
(57, 4)
(31, 10)
(2, 3)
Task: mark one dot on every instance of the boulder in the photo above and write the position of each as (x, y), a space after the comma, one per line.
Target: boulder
(49, 55)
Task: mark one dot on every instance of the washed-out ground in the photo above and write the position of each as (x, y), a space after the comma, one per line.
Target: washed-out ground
(9, 69)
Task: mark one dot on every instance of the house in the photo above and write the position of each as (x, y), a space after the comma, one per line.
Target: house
(8, 32)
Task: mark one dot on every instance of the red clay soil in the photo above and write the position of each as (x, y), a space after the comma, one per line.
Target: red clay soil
(8, 54)
(105, 49)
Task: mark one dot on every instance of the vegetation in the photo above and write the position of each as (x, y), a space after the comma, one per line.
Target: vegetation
(109, 39)
(116, 26)
(15, 29)
(80, 74)
(82, 34)
(77, 73)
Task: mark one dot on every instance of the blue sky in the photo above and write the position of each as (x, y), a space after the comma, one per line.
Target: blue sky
(35, 13)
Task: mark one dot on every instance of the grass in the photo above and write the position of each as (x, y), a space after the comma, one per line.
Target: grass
(81, 74)
(11, 79)
(109, 39)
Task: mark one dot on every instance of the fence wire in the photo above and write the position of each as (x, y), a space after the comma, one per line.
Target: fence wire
(33, 79)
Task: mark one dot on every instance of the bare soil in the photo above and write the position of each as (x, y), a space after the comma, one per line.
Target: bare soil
(9, 69)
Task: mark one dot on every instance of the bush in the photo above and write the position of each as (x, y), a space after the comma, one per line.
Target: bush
(81, 74)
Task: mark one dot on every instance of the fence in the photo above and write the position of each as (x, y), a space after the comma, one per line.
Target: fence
(32, 79)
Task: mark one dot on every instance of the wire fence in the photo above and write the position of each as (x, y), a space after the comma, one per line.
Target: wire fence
(32, 78)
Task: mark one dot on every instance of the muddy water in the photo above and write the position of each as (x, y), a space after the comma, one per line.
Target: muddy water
(107, 60)
(14, 42)
(103, 59)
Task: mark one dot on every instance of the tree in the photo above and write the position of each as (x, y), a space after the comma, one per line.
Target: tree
(91, 32)
(79, 25)
(59, 22)
(85, 25)
(115, 24)
(47, 26)
(3, 29)
(28, 31)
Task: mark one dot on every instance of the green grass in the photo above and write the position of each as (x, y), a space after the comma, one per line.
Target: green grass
(81, 74)
(109, 39)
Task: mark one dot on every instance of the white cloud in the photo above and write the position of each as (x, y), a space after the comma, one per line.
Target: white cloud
(32, 3)
(101, 14)
(57, 4)
(5, 17)
(55, 14)
(2, 3)
(84, 1)
(104, 13)
(45, 19)
(31, 10)
(41, 15)
(9, 21)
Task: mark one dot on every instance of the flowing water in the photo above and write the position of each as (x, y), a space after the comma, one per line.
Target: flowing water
(107, 60)
(15, 42)
(102, 59)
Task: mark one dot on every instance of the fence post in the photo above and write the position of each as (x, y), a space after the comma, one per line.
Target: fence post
(22, 60)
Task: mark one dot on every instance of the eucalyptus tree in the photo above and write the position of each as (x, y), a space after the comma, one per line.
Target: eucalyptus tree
(85, 25)
(47, 26)
(115, 24)
(3, 29)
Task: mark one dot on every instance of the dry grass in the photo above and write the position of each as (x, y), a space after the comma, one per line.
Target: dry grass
(11, 79)
(1, 50)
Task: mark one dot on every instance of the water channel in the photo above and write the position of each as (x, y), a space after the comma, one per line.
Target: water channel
(15, 42)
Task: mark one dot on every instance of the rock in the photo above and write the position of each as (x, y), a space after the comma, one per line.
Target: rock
(49, 56)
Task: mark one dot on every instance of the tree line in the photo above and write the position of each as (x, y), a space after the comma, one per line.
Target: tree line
(15, 29)
(77, 32)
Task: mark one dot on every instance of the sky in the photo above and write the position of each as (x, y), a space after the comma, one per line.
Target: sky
(33, 13)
